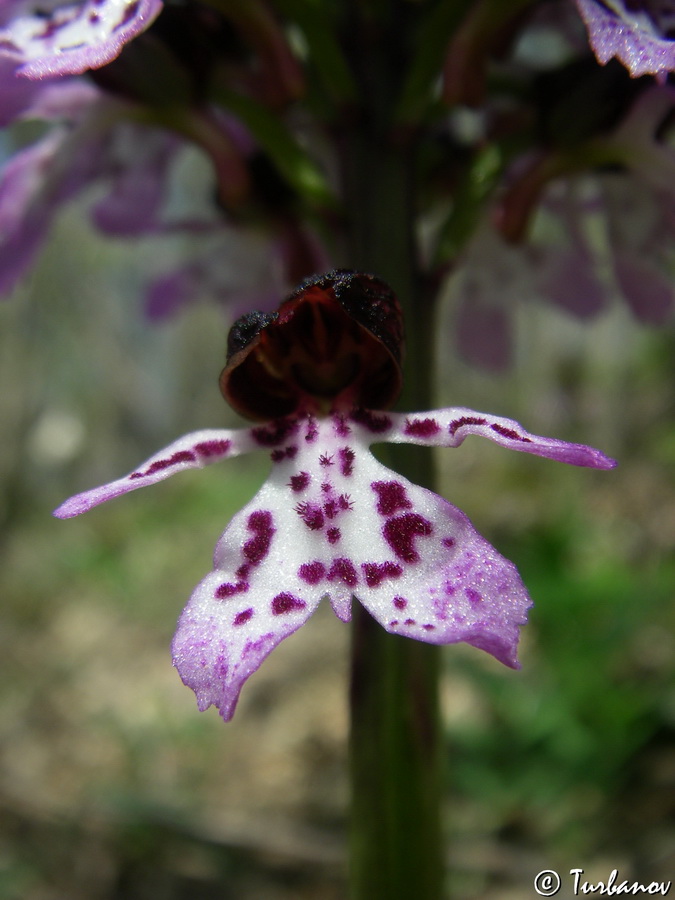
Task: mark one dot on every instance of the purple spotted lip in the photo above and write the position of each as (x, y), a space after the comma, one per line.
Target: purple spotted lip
(332, 522)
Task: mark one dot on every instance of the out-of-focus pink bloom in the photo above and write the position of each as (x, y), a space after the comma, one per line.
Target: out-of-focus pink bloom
(98, 139)
(90, 142)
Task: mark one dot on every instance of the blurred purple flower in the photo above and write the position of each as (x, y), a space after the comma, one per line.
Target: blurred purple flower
(599, 235)
(89, 142)
(636, 211)
(96, 138)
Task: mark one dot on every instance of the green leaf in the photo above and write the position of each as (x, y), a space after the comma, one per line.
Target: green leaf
(274, 137)
(325, 53)
(475, 188)
(427, 61)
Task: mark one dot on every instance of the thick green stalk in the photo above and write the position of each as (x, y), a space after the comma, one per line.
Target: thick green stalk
(396, 846)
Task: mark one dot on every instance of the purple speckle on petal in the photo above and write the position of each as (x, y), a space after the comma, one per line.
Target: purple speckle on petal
(311, 515)
(510, 433)
(221, 668)
(465, 420)
(422, 428)
(286, 603)
(401, 531)
(343, 569)
(313, 572)
(391, 497)
(376, 573)
(258, 644)
(129, 13)
(299, 482)
(375, 422)
(213, 448)
(429, 627)
(243, 616)
(333, 535)
(448, 542)
(341, 427)
(347, 457)
(473, 596)
(275, 433)
(400, 602)
(325, 460)
(409, 622)
(312, 431)
(257, 548)
(160, 464)
(223, 591)
(279, 455)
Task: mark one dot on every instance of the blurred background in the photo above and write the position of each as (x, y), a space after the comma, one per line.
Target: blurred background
(114, 787)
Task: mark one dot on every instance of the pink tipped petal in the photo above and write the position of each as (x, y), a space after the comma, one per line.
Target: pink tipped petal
(253, 599)
(193, 451)
(449, 427)
(423, 571)
(331, 521)
(454, 585)
(633, 32)
(73, 37)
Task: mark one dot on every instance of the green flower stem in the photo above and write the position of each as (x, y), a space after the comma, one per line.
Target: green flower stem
(396, 845)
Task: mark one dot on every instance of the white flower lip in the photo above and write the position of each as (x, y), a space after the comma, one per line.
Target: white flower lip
(332, 522)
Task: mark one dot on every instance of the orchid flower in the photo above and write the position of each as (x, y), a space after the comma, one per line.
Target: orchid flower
(331, 521)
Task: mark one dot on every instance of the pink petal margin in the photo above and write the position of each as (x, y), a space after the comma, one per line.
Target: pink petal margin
(616, 32)
(106, 26)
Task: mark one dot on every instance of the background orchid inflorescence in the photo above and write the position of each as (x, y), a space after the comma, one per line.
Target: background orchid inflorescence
(508, 148)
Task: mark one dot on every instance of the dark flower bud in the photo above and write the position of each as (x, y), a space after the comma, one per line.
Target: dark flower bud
(335, 343)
